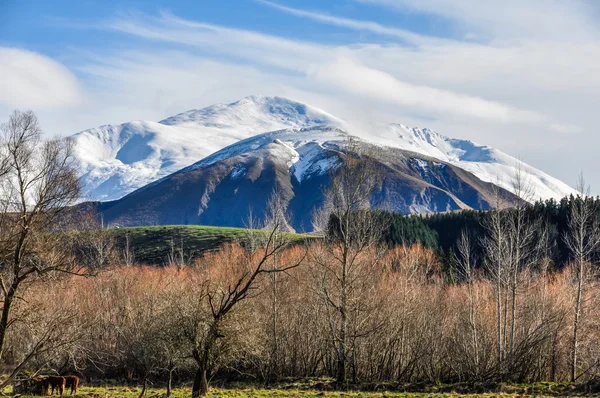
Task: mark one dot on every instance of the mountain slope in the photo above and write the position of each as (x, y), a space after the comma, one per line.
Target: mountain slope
(489, 164)
(117, 159)
(226, 187)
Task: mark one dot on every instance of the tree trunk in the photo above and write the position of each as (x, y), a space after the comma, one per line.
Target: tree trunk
(143, 392)
(170, 381)
(554, 359)
(4, 320)
(505, 324)
(200, 386)
(473, 321)
(274, 363)
(513, 315)
(499, 322)
(341, 359)
(575, 342)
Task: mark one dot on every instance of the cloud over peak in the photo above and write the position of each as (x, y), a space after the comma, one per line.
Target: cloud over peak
(32, 80)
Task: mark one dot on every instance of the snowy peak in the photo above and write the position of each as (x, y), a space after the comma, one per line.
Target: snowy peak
(256, 112)
(488, 164)
(228, 186)
(416, 135)
(118, 159)
(431, 143)
(291, 139)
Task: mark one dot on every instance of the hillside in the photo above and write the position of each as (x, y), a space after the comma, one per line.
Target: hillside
(118, 159)
(154, 245)
(487, 163)
(226, 187)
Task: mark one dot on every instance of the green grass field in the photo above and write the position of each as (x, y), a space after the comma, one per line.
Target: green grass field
(152, 245)
(126, 392)
(324, 387)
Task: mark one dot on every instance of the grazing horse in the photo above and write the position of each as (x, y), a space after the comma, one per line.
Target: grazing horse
(57, 382)
(73, 382)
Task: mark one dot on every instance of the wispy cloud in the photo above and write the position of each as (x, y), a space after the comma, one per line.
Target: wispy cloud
(370, 26)
(338, 68)
(509, 19)
(381, 86)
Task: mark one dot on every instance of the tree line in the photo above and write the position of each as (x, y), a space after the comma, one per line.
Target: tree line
(442, 231)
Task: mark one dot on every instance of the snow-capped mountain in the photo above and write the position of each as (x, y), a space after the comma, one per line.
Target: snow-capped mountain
(489, 164)
(229, 185)
(118, 159)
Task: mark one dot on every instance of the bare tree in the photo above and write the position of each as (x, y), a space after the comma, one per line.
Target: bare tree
(226, 293)
(93, 245)
(177, 255)
(350, 230)
(128, 253)
(465, 258)
(582, 240)
(276, 220)
(138, 329)
(522, 241)
(496, 261)
(38, 180)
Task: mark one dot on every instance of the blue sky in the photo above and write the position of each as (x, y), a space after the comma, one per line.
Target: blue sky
(43, 30)
(519, 76)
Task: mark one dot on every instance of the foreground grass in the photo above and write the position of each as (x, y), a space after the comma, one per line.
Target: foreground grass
(310, 389)
(125, 392)
(152, 245)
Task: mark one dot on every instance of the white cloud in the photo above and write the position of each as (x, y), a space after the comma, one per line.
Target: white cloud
(381, 86)
(342, 69)
(348, 23)
(32, 80)
(509, 19)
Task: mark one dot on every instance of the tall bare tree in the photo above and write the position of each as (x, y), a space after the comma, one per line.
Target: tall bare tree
(350, 230)
(496, 261)
(276, 220)
(522, 242)
(465, 258)
(583, 241)
(224, 292)
(38, 180)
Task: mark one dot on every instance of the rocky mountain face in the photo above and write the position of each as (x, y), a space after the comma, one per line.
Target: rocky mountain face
(219, 164)
(118, 159)
(227, 187)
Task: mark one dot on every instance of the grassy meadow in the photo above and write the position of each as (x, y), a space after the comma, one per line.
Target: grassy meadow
(326, 388)
(152, 245)
(126, 392)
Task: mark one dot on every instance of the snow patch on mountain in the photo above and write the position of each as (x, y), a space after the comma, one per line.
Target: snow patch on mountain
(304, 151)
(313, 160)
(238, 172)
(255, 113)
(118, 159)
(488, 164)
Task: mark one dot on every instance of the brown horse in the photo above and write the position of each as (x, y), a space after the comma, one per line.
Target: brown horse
(72, 382)
(57, 382)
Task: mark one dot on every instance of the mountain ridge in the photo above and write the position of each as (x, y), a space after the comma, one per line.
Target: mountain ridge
(119, 159)
(227, 187)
